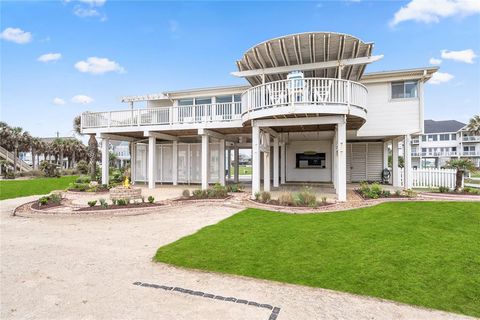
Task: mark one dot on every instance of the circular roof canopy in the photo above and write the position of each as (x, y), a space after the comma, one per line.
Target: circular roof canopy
(307, 48)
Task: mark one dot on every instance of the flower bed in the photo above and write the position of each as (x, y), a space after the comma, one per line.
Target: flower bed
(302, 199)
(374, 191)
(51, 201)
(126, 206)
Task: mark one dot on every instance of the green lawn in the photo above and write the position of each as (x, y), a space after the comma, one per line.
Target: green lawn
(242, 170)
(421, 253)
(20, 188)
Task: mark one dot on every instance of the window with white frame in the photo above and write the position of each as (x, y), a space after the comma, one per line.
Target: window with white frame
(444, 137)
(454, 136)
(404, 89)
(432, 137)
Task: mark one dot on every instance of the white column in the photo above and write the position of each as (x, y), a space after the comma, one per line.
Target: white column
(205, 161)
(255, 160)
(335, 158)
(222, 162)
(236, 153)
(407, 156)
(342, 161)
(152, 142)
(266, 164)
(283, 163)
(275, 163)
(395, 175)
(133, 160)
(175, 163)
(105, 160)
(229, 163)
(385, 154)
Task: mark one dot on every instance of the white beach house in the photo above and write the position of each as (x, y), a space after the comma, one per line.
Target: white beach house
(307, 111)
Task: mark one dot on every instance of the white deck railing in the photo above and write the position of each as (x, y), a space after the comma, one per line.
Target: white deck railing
(204, 113)
(471, 138)
(446, 154)
(307, 91)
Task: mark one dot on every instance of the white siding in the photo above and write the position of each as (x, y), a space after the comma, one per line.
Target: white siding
(313, 175)
(364, 161)
(374, 161)
(390, 117)
(358, 162)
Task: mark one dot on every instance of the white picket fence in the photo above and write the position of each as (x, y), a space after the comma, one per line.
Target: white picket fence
(433, 178)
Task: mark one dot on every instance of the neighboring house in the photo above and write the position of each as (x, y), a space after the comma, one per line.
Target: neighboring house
(443, 141)
(121, 149)
(27, 156)
(308, 112)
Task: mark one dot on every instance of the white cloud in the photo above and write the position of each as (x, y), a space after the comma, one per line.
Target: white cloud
(429, 11)
(466, 56)
(58, 101)
(97, 3)
(16, 35)
(47, 57)
(435, 61)
(83, 99)
(95, 65)
(86, 12)
(441, 77)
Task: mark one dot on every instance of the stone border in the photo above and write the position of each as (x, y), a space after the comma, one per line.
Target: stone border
(183, 200)
(85, 192)
(273, 315)
(123, 212)
(290, 209)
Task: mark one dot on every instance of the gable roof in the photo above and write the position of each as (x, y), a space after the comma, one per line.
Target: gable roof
(432, 126)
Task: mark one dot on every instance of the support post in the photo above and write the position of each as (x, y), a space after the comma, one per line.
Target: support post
(385, 154)
(335, 158)
(283, 163)
(407, 156)
(275, 163)
(342, 161)
(236, 164)
(266, 164)
(105, 160)
(205, 161)
(255, 159)
(133, 161)
(229, 163)
(175, 163)
(221, 174)
(152, 142)
(395, 173)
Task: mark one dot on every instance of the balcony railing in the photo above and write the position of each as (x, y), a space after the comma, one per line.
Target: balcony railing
(471, 138)
(204, 113)
(415, 141)
(445, 154)
(307, 91)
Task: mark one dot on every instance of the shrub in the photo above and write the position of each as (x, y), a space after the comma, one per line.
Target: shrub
(82, 167)
(386, 194)
(443, 189)
(398, 193)
(257, 195)
(49, 169)
(43, 201)
(235, 187)
(210, 193)
(410, 193)
(219, 191)
(286, 199)
(306, 198)
(197, 194)
(68, 172)
(92, 203)
(122, 202)
(151, 199)
(78, 186)
(103, 203)
(186, 193)
(324, 200)
(265, 196)
(83, 179)
(471, 190)
(373, 191)
(55, 198)
(8, 175)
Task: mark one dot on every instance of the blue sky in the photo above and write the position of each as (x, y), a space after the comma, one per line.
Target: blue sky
(154, 46)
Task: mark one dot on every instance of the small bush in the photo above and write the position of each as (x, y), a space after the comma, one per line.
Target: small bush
(386, 194)
(198, 194)
(235, 187)
(257, 195)
(82, 167)
(372, 191)
(103, 203)
(83, 179)
(186, 193)
(49, 169)
(265, 196)
(286, 199)
(324, 200)
(8, 175)
(55, 198)
(92, 203)
(122, 202)
(114, 201)
(306, 198)
(43, 201)
(471, 190)
(151, 199)
(219, 191)
(443, 189)
(410, 193)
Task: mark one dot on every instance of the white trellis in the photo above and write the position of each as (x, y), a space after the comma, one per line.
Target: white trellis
(433, 178)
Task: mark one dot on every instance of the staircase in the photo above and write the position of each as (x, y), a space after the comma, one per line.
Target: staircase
(9, 156)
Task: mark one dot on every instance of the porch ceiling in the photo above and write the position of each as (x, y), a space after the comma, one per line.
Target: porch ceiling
(306, 48)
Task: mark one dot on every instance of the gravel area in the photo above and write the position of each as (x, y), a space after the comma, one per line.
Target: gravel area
(85, 267)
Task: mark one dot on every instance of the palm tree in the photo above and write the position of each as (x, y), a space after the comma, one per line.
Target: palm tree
(92, 155)
(77, 124)
(34, 147)
(461, 165)
(474, 125)
(16, 136)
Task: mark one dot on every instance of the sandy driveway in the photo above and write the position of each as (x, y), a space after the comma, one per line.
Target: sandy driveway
(85, 267)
